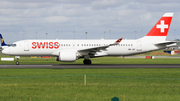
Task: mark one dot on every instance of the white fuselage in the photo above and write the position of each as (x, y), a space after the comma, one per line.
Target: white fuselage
(49, 47)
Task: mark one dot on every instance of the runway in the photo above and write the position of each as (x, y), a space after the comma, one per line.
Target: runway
(95, 66)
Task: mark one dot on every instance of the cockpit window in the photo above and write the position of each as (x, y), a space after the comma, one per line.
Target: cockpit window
(11, 45)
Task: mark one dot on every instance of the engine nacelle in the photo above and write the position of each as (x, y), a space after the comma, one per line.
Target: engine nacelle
(67, 56)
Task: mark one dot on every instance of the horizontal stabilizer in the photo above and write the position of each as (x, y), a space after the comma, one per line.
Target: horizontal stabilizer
(165, 43)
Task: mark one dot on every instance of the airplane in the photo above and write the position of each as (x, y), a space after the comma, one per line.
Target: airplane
(71, 50)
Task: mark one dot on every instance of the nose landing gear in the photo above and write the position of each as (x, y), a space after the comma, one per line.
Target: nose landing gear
(17, 62)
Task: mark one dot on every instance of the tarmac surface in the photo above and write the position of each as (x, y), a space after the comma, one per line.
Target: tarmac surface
(95, 66)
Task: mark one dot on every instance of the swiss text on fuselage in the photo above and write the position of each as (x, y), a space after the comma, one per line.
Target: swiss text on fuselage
(43, 45)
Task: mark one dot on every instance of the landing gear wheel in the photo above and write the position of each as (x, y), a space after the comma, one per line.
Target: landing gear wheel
(87, 62)
(17, 62)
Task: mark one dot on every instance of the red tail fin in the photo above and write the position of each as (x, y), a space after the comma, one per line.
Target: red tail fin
(161, 28)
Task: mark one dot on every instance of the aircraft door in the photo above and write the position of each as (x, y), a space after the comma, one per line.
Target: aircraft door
(139, 46)
(26, 45)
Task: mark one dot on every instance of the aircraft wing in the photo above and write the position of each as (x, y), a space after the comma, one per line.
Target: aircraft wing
(165, 43)
(94, 50)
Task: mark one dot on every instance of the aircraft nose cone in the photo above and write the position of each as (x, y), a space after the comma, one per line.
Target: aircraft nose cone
(5, 51)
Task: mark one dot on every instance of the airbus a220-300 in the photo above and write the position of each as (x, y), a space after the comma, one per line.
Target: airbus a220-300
(71, 50)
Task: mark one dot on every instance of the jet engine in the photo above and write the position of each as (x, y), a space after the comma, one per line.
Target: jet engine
(67, 56)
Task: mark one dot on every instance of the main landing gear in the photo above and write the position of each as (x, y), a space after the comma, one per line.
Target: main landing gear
(87, 61)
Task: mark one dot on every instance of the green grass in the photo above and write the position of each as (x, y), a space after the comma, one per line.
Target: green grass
(102, 84)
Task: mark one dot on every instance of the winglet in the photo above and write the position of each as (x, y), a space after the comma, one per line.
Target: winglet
(117, 42)
(2, 41)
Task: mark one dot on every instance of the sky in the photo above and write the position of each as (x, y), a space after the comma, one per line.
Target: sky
(71, 19)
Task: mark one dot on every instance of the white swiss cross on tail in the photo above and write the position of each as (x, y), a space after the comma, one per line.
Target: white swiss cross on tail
(162, 26)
